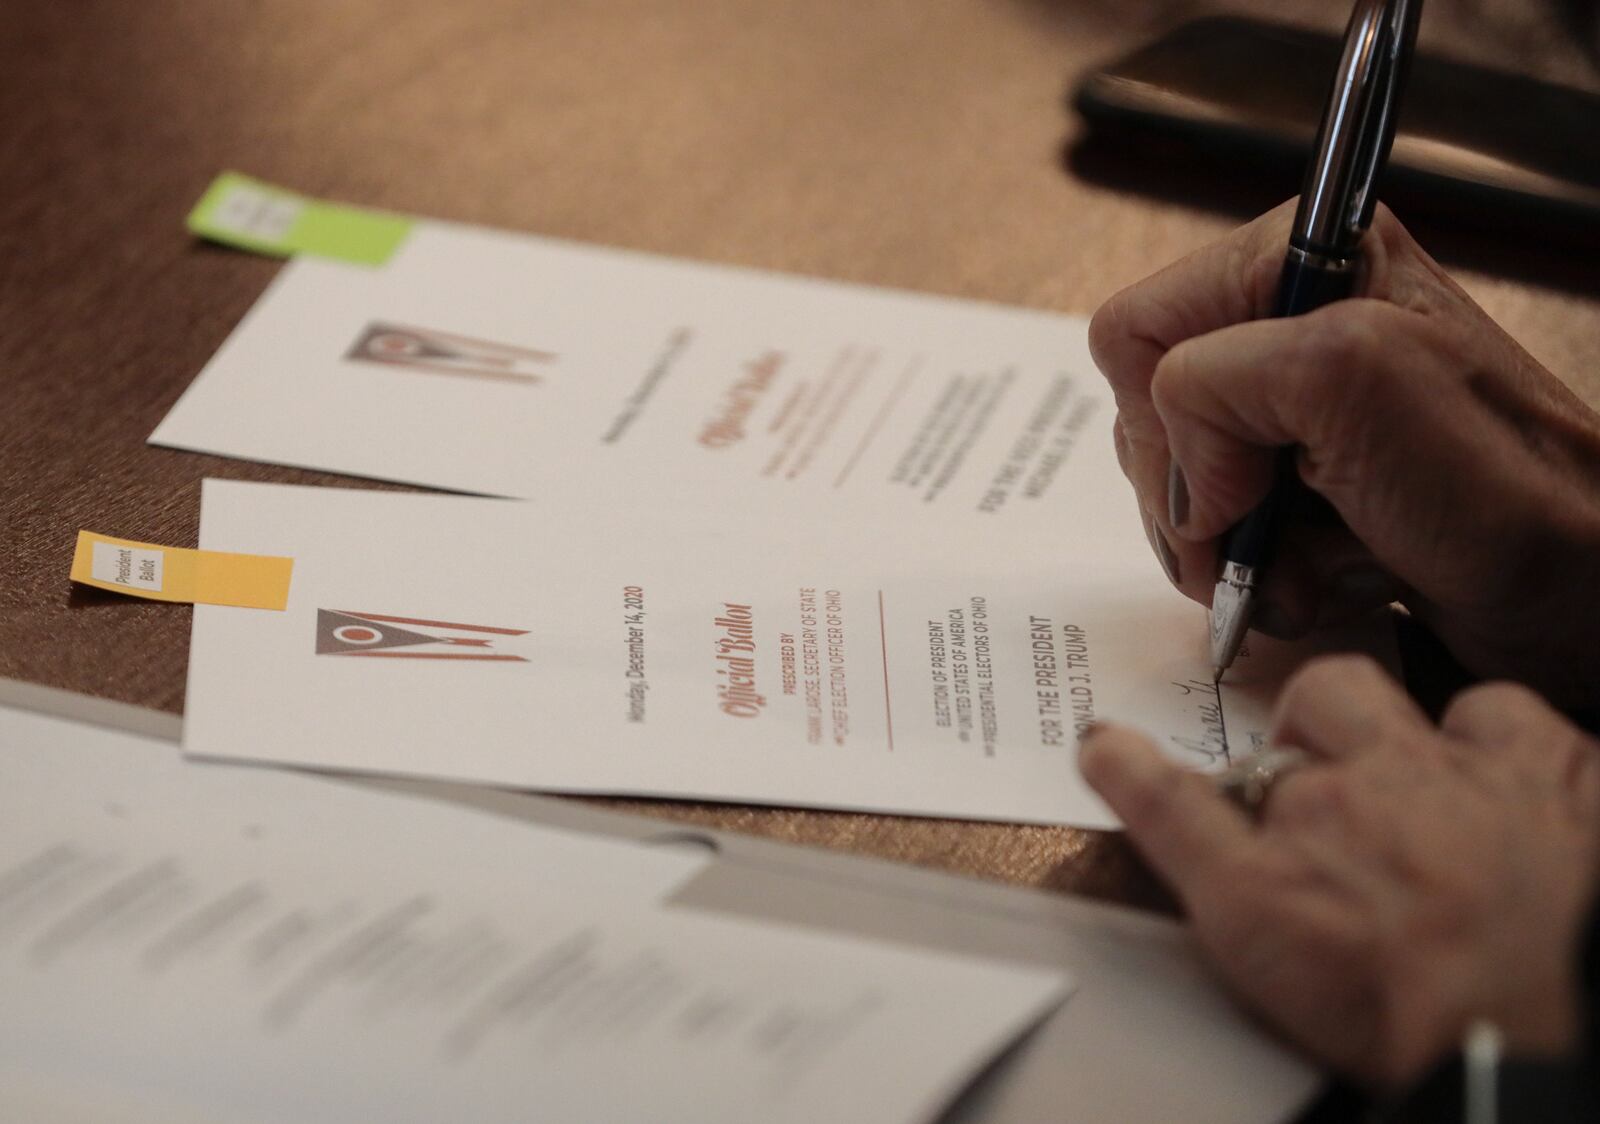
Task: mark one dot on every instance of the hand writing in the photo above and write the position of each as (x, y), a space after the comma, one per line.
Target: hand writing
(1467, 476)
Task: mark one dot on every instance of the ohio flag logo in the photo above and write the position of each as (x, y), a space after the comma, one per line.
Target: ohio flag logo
(343, 633)
(442, 353)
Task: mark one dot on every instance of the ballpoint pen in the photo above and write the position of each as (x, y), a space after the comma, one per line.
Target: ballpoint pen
(1335, 209)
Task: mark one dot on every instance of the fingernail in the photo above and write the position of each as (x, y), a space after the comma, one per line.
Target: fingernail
(1363, 585)
(1177, 496)
(1162, 548)
(1270, 619)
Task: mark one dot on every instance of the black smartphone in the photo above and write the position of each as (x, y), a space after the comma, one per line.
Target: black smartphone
(1489, 148)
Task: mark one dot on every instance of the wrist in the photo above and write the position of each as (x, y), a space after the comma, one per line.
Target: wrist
(1484, 1081)
(1541, 1026)
(1534, 1006)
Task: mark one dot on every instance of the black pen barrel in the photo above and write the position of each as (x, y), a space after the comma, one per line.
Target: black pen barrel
(1311, 280)
(1249, 542)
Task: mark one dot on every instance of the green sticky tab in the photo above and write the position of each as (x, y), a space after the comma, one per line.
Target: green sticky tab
(252, 215)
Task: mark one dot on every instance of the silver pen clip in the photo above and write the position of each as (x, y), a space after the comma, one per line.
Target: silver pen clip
(1357, 128)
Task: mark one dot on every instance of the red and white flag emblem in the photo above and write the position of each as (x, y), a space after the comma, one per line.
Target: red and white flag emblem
(444, 353)
(343, 633)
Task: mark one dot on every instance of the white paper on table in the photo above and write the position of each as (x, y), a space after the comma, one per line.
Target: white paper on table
(798, 657)
(183, 941)
(506, 364)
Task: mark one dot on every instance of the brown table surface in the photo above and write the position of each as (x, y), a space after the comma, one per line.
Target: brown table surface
(914, 143)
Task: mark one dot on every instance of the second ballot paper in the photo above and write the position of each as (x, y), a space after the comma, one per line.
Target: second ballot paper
(799, 656)
(507, 364)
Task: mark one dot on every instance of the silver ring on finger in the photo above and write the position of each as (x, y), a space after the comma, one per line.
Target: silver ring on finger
(1248, 782)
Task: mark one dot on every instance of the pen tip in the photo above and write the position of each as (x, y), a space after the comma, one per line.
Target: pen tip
(1216, 673)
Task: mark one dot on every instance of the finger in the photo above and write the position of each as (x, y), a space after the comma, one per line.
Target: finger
(1119, 442)
(1187, 830)
(1338, 706)
(1323, 815)
(1494, 714)
(1395, 267)
(1229, 400)
(1227, 282)
(1234, 280)
(1512, 737)
(1224, 283)
(1191, 567)
(1509, 722)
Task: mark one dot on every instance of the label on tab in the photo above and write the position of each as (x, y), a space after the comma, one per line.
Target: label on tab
(134, 567)
(252, 215)
(175, 573)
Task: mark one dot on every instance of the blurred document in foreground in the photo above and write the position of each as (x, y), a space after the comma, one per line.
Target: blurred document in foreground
(198, 942)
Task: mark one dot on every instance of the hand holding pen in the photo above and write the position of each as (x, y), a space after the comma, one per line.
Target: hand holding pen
(1465, 481)
(1409, 411)
(1335, 209)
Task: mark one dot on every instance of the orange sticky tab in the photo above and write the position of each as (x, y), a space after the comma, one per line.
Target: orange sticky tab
(175, 573)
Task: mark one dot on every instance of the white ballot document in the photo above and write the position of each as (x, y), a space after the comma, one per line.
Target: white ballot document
(507, 364)
(569, 645)
(182, 941)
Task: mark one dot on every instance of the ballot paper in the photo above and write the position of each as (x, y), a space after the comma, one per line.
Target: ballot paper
(796, 658)
(182, 941)
(511, 365)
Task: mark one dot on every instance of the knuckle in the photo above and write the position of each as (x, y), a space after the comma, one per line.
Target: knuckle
(1343, 340)
(1108, 332)
(1173, 373)
(1392, 234)
(1369, 382)
(1261, 279)
(1331, 376)
(1385, 223)
(1578, 768)
(1309, 795)
(1326, 674)
(1104, 328)
(1254, 261)
(1184, 389)
(1491, 708)
(1257, 249)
